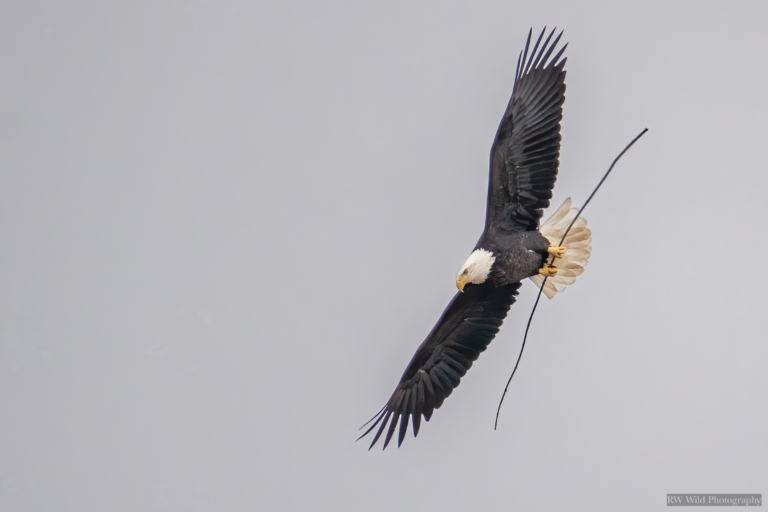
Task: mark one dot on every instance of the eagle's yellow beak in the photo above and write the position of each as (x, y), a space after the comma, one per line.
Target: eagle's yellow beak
(461, 281)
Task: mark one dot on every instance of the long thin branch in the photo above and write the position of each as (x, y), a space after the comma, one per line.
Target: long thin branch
(530, 318)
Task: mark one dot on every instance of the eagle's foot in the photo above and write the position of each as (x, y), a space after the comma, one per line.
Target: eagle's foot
(557, 252)
(548, 271)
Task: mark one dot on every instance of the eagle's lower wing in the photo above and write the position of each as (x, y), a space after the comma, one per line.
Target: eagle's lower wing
(465, 329)
(525, 152)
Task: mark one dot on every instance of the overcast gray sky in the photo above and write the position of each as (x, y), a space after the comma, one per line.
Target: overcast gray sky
(226, 227)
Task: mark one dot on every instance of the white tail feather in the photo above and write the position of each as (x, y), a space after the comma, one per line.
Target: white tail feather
(577, 248)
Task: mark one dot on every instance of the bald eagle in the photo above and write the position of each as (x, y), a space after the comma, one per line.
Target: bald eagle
(513, 246)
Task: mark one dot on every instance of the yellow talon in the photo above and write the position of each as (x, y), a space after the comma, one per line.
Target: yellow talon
(557, 252)
(548, 271)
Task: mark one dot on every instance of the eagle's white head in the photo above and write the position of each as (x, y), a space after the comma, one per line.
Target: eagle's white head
(476, 269)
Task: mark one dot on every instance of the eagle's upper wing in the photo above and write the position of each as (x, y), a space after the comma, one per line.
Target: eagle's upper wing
(524, 155)
(465, 329)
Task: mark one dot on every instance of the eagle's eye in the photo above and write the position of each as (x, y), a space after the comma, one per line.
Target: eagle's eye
(466, 271)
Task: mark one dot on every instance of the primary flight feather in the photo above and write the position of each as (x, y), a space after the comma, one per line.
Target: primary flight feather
(523, 170)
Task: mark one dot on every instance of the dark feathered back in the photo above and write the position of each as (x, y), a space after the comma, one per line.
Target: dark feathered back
(525, 153)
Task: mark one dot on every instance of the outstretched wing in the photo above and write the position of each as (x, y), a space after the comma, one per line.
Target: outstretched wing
(525, 152)
(465, 329)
